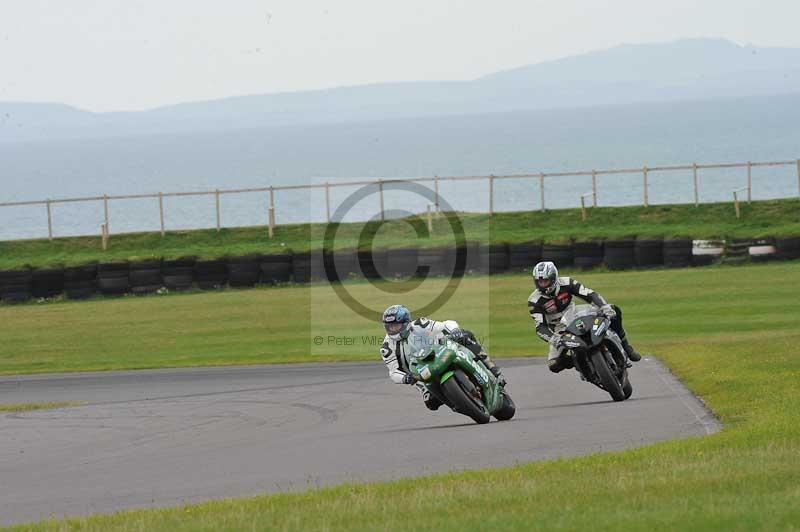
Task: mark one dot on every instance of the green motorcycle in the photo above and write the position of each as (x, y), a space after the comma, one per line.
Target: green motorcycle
(452, 374)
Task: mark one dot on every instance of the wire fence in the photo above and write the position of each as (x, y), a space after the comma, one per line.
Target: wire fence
(380, 184)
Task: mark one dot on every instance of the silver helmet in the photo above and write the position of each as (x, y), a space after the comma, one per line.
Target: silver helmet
(545, 277)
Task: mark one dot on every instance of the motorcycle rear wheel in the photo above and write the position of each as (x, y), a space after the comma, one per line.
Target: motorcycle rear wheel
(458, 389)
(610, 382)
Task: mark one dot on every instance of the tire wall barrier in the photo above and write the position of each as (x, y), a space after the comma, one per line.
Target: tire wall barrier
(145, 277)
(649, 252)
(16, 286)
(150, 276)
(588, 254)
(178, 274)
(522, 257)
(113, 278)
(493, 258)
(678, 252)
(562, 255)
(619, 254)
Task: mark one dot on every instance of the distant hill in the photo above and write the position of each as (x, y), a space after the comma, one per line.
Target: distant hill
(690, 69)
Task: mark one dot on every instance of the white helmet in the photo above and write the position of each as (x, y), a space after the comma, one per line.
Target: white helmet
(545, 277)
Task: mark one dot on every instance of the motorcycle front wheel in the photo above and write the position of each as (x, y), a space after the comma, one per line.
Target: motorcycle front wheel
(610, 382)
(463, 394)
(508, 409)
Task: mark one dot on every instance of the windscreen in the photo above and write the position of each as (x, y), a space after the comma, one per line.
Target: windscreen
(577, 311)
(420, 343)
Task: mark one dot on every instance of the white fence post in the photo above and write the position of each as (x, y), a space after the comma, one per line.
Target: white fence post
(541, 189)
(105, 211)
(436, 190)
(49, 221)
(644, 176)
(380, 187)
(798, 177)
(696, 192)
(271, 220)
(749, 181)
(216, 197)
(161, 211)
(328, 201)
(491, 195)
(594, 188)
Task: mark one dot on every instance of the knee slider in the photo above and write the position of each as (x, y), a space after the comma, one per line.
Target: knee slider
(555, 365)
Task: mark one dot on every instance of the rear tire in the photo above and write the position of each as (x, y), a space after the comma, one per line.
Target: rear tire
(458, 390)
(507, 410)
(607, 378)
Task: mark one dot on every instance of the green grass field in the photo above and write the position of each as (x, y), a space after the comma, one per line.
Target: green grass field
(730, 333)
(760, 218)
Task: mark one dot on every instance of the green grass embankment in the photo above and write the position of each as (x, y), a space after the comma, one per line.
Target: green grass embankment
(729, 333)
(761, 218)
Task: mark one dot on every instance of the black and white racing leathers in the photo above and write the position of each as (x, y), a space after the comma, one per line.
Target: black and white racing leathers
(547, 311)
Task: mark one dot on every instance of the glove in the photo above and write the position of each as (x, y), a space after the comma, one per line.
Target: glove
(555, 340)
(608, 311)
(409, 379)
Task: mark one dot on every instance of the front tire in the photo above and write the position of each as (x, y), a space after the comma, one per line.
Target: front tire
(461, 391)
(607, 378)
(507, 410)
(627, 387)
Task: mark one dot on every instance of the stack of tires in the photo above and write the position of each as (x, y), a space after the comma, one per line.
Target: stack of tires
(523, 256)
(113, 278)
(705, 252)
(493, 258)
(788, 248)
(619, 254)
(178, 274)
(48, 283)
(678, 252)
(562, 255)
(301, 267)
(588, 254)
(16, 286)
(737, 250)
(431, 261)
(244, 272)
(341, 264)
(372, 263)
(80, 282)
(763, 250)
(276, 269)
(401, 262)
(649, 252)
(211, 274)
(145, 277)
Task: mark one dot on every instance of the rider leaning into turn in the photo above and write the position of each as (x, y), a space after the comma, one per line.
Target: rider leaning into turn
(552, 297)
(398, 324)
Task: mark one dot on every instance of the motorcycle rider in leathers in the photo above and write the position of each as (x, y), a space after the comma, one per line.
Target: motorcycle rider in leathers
(552, 297)
(398, 324)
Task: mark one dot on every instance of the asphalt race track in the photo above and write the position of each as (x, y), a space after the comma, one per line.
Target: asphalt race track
(164, 437)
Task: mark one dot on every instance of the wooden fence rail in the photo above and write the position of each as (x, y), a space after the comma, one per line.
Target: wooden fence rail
(380, 184)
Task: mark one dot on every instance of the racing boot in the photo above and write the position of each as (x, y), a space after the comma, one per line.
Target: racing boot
(632, 353)
(491, 366)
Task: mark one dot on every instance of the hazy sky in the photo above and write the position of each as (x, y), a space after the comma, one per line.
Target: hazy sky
(135, 54)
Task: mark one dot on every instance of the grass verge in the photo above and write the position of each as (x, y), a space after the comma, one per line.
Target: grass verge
(760, 218)
(732, 340)
(27, 407)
